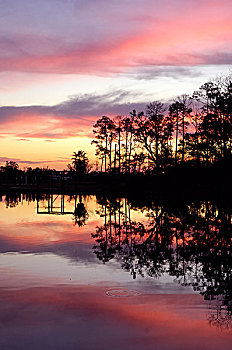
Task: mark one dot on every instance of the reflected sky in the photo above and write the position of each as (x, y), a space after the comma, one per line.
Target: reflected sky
(52, 246)
(54, 288)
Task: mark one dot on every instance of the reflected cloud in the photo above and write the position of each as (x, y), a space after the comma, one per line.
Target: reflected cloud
(187, 242)
(87, 316)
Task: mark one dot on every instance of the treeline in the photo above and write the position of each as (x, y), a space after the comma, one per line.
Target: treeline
(174, 139)
(45, 178)
(10, 173)
(194, 130)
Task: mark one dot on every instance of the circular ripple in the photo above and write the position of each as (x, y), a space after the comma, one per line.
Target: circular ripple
(121, 293)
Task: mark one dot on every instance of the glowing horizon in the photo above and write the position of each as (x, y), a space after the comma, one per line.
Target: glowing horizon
(65, 64)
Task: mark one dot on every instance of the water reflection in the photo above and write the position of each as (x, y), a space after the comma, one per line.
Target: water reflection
(189, 241)
(55, 204)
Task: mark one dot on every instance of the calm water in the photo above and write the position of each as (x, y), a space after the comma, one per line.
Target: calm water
(85, 273)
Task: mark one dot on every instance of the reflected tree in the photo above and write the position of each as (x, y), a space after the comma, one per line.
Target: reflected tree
(189, 241)
(80, 212)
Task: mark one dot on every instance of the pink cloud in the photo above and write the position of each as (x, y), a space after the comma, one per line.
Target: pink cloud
(181, 35)
(72, 118)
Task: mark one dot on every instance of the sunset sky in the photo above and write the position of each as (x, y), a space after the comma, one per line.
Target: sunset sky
(63, 64)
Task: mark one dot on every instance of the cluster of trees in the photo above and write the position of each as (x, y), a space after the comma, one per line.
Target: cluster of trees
(193, 129)
(10, 173)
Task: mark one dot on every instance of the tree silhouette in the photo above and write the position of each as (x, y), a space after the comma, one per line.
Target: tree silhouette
(196, 130)
(104, 130)
(80, 163)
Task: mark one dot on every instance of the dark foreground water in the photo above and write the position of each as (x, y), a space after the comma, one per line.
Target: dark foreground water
(81, 273)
